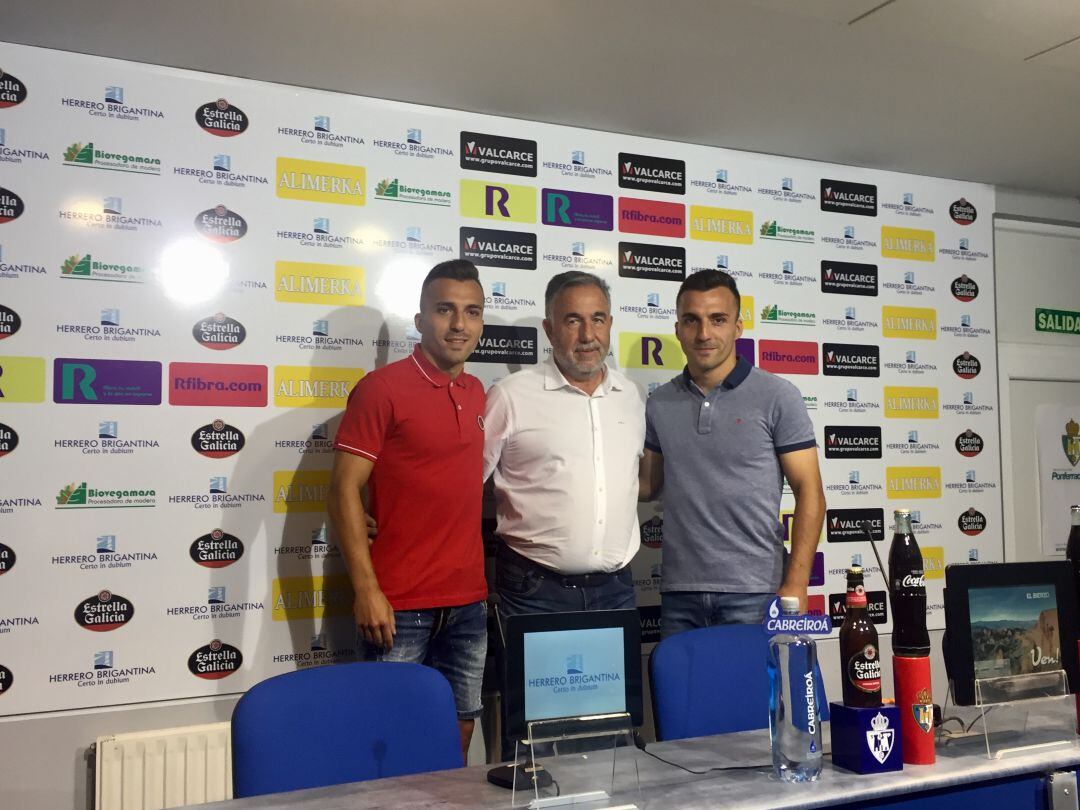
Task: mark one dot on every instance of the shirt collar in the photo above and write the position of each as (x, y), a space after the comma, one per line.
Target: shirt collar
(554, 379)
(436, 376)
(734, 378)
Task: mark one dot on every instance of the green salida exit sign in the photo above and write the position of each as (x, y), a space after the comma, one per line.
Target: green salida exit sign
(1066, 321)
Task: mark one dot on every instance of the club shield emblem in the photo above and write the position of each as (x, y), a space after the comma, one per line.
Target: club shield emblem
(880, 738)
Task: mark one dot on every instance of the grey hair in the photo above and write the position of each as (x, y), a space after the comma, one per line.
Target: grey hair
(573, 278)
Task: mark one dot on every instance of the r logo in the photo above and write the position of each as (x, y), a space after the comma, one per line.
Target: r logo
(86, 387)
(650, 350)
(490, 203)
(557, 206)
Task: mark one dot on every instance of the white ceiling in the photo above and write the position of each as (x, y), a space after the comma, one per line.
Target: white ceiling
(939, 87)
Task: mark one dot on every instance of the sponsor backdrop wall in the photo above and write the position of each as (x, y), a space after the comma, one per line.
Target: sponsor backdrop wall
(194, 271)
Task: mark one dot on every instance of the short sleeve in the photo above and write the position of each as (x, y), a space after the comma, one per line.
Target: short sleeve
(368, 420)
(792, 429)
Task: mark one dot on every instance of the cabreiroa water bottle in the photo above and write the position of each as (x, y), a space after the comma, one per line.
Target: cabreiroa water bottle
(794, 704)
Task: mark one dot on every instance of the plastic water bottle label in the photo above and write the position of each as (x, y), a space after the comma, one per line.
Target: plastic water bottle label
(803, 624)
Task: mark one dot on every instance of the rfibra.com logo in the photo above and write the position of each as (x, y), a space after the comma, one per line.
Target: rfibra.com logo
(82, 496)
(801, 624)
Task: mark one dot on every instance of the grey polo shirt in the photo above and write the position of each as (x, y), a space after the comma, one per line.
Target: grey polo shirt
(722, 477)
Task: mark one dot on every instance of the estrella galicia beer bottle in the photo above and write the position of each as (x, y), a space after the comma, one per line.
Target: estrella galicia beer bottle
(860, 657)
(907, 589)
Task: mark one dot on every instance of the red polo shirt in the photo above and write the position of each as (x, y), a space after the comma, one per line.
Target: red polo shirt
(425, 434)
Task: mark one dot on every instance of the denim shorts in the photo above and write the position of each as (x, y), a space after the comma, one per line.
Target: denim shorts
(452, 640)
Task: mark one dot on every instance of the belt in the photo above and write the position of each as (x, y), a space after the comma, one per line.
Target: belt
(566, 580)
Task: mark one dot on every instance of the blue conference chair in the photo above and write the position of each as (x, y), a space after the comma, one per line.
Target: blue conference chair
(713, 681)
(343, 723)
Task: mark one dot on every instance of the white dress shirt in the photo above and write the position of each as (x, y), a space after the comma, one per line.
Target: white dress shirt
(566, 468)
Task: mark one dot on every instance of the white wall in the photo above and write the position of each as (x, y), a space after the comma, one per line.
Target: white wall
(43, 759)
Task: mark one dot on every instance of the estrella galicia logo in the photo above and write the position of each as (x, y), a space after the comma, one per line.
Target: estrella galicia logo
(966, 366)
(971, 521)
(487, 247)
(648, 173)
(104, 611)
(7, 558)
(506, 344)
(217, 440)
(849, 278)
(841, 197)
(221, 118)
(217, 549)
(215, 660)
(964, 289)
(219, 332)
(495, 153)
(7, 679)
(10, 322)
(9, 439)
(969, 443)
(652, 262)
(12, 92)
(963, 212)
(219, 224)
(851, 360)
(852, 441)
(845, 525)
(11, 205)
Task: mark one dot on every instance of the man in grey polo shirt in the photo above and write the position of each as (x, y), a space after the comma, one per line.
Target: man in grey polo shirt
(720, 439)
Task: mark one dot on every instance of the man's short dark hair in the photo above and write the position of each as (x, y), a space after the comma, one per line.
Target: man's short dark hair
(573, 278)
(706, 280)
(455, 270)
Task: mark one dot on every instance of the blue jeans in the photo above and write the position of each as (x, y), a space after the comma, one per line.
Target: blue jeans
(689, 610)
(451, 640)
(525, 587)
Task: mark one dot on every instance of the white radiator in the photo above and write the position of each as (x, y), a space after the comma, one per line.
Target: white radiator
(148, 770)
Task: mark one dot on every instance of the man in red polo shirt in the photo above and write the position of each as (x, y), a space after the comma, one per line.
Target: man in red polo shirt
(413, 432)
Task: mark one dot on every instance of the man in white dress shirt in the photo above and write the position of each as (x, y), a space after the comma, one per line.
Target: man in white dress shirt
(563, 440)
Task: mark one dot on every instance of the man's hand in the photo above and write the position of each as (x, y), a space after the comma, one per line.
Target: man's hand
(796, 591)
(372, 526)
(375, 617)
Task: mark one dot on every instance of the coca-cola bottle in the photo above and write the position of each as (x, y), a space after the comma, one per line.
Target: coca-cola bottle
(907, 591)
(860, 659)
(1072, 548)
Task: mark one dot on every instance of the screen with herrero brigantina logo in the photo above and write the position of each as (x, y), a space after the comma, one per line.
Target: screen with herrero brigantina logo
(570, 673)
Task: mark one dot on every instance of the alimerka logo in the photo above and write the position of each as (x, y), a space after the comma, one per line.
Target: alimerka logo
(318, 181)
(913, 482)
(907, 243)
(221, 118)
(312, 283)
